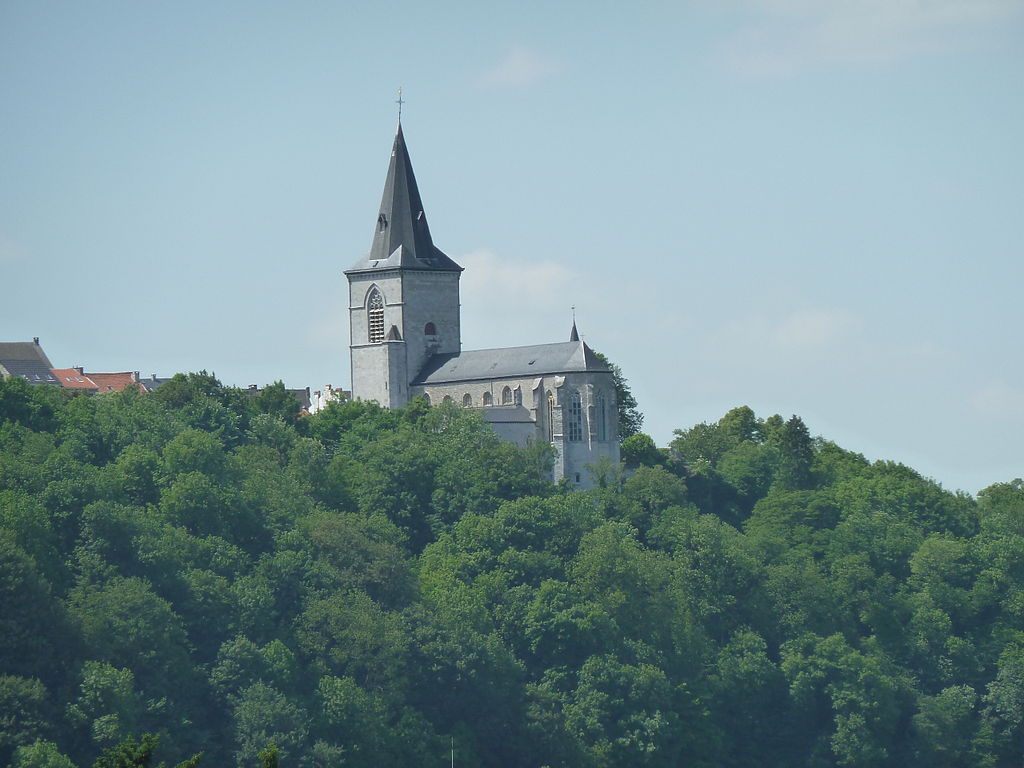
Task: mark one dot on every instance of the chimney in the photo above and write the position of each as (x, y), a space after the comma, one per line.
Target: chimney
(80, 369)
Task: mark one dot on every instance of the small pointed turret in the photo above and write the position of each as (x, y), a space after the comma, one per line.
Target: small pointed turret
(574, 335)
(401, 236)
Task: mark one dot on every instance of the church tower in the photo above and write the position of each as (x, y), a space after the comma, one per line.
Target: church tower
(403, 295)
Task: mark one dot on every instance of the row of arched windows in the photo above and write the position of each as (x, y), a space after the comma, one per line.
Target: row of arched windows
(509, 396)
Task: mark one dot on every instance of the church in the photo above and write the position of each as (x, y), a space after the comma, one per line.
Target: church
(405, 341)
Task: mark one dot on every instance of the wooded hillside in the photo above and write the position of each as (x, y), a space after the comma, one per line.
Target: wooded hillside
(368, 588)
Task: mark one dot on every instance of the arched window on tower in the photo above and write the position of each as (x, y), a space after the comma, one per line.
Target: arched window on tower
(506, 396)
(574, 423)
(375, 316)
(430, 330)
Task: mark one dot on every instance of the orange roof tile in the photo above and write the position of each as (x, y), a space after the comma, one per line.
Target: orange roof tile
(113, 382)
(72, 378)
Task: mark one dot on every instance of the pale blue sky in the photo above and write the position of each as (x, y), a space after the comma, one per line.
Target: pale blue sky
(806, 207)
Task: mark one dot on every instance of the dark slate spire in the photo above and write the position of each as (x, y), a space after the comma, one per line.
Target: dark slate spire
(401, 237)
(574, 335)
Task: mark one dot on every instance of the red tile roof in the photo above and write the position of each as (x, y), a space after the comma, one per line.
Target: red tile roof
(73, 378)
(113, 382)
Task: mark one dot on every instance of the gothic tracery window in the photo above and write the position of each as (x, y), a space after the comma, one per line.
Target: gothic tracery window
(551, 417)
(506, 396)
(574, 423)
(488, 398)
(375, 316)
(601, 417)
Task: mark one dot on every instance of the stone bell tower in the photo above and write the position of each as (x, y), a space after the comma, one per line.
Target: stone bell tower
(403, 295)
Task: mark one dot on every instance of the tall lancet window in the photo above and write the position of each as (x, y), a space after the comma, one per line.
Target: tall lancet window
(375, 316)
(600, 417)
(551, 417)
(574, 424)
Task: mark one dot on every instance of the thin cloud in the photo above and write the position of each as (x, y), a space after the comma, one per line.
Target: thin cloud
(520, 67)
(502, 280)
(822, 334)
(10, 251)
(784, 36)
(495, 289)
(999, 401)
(814, 328)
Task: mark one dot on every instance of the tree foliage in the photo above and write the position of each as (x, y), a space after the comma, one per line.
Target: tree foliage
(366, 587)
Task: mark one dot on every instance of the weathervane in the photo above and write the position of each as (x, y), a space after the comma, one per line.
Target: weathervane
(399, 101)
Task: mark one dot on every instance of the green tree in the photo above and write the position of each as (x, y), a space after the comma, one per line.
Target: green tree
(639, 450)
(40, 754)
(125, 624)
(24, 713)
(36, 640)
(132, 754)
(33, 407)
(275, 400)
(632, 714)
(945, 726)
(263, 715)
(796, 456)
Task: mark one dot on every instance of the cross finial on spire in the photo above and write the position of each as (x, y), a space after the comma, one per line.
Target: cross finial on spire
(399, 101)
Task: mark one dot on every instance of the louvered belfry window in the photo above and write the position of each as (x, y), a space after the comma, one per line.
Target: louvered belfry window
(375, 316)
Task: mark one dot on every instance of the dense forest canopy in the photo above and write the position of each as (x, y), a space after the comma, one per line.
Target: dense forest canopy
(366, 587)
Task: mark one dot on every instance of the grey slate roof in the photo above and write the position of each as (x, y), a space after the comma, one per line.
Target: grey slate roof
(510, 362)
(27, 359)
(401, 237)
